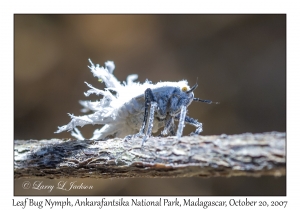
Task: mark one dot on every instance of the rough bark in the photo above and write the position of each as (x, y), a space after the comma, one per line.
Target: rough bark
(204, 156)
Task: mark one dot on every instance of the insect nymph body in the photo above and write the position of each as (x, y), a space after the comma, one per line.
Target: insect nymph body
(135, 110)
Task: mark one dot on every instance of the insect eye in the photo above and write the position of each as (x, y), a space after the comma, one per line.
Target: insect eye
(184, 89)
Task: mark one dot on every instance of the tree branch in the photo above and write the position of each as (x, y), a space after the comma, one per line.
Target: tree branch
(205, 156)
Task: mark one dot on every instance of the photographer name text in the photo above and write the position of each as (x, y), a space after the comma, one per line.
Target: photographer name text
(61, 185)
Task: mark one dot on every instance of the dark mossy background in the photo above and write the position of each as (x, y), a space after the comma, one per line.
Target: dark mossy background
(239, 60)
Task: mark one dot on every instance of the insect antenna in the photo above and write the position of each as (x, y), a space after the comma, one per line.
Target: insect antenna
(205, 101)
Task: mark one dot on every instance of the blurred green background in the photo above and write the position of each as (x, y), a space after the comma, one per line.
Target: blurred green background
(239, 60)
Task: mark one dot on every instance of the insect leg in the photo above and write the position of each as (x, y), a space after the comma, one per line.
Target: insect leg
(181, 122)
(149, 97)
(150, 123)
(169, 125)
(193, 122)
(172, 129)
